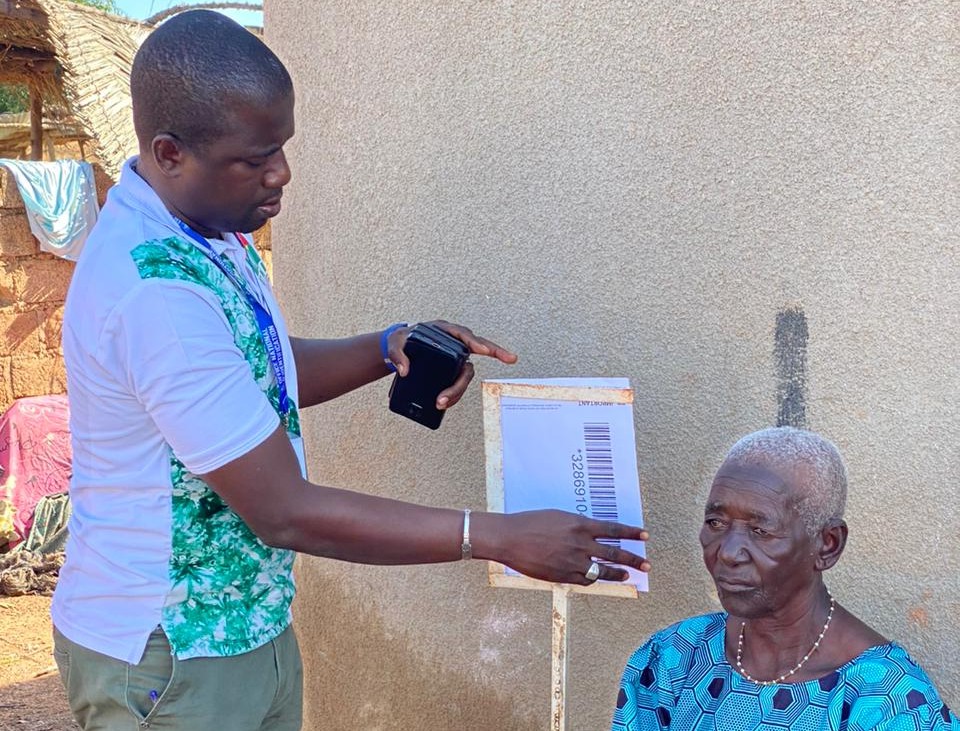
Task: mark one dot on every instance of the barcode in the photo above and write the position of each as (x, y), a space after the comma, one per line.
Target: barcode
(601, 480)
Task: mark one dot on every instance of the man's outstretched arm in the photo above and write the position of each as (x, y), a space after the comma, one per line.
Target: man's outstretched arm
(265, 488)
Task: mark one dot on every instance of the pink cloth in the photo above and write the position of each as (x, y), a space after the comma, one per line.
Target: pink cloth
(34, 455)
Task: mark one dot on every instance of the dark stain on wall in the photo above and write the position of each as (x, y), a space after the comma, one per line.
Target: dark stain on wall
(790, 358)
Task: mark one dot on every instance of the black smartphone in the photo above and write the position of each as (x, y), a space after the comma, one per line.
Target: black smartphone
(436, 359)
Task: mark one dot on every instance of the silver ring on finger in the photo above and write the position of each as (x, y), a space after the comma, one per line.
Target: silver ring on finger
(593, 573)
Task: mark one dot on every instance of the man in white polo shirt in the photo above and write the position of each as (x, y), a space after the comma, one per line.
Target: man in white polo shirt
(188, 491)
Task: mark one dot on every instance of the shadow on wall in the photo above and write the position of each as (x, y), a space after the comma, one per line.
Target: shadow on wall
(359, 675)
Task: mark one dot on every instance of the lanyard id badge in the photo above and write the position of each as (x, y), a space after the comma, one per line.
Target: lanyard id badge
(265, 322)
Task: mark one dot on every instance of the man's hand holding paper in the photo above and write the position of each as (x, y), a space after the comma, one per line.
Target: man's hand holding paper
(557, 546)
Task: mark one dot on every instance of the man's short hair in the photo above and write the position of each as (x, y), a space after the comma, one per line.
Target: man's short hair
(190, 69)
(824, 496)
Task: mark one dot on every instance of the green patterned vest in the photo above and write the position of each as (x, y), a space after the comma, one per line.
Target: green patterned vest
(231, 592)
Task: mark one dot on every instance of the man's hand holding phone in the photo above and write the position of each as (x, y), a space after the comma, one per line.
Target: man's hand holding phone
(433, 367)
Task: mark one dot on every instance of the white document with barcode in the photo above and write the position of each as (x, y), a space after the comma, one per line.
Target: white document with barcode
(573, 455)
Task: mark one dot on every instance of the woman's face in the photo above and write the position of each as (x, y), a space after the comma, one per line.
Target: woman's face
(755, 544)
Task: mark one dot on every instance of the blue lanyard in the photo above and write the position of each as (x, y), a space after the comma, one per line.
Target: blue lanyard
(268, 329)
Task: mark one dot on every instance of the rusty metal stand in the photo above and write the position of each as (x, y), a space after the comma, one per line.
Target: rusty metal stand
(558, 696)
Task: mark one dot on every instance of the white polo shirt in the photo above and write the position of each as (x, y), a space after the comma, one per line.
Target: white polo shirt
(167, 378)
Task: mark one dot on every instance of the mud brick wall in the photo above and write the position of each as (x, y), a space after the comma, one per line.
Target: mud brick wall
(33, 288)
(262, 240)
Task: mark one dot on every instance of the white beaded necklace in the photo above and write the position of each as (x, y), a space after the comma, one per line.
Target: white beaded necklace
(799, 665)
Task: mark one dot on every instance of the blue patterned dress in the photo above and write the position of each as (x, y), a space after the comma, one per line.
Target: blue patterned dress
(680, 679)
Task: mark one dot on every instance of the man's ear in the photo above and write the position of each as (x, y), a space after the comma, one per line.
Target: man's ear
(168, 154)
(833, 539)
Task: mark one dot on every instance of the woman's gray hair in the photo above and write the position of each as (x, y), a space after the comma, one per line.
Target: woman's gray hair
(824, 495)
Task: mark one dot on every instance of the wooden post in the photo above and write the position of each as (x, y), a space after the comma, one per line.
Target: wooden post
(36, 124)
(558, 696)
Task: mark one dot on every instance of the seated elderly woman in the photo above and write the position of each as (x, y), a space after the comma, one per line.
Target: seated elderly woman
(784, 654)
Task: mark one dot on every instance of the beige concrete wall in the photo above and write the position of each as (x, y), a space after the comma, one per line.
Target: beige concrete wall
(627, 189)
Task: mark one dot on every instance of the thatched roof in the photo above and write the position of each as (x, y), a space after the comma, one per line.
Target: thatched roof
(79, 58)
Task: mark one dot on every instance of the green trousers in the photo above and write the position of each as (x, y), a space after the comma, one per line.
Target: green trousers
(261, 690)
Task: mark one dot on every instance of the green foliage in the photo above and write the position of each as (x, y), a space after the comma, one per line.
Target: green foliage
(13, 98)
(109, 5)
